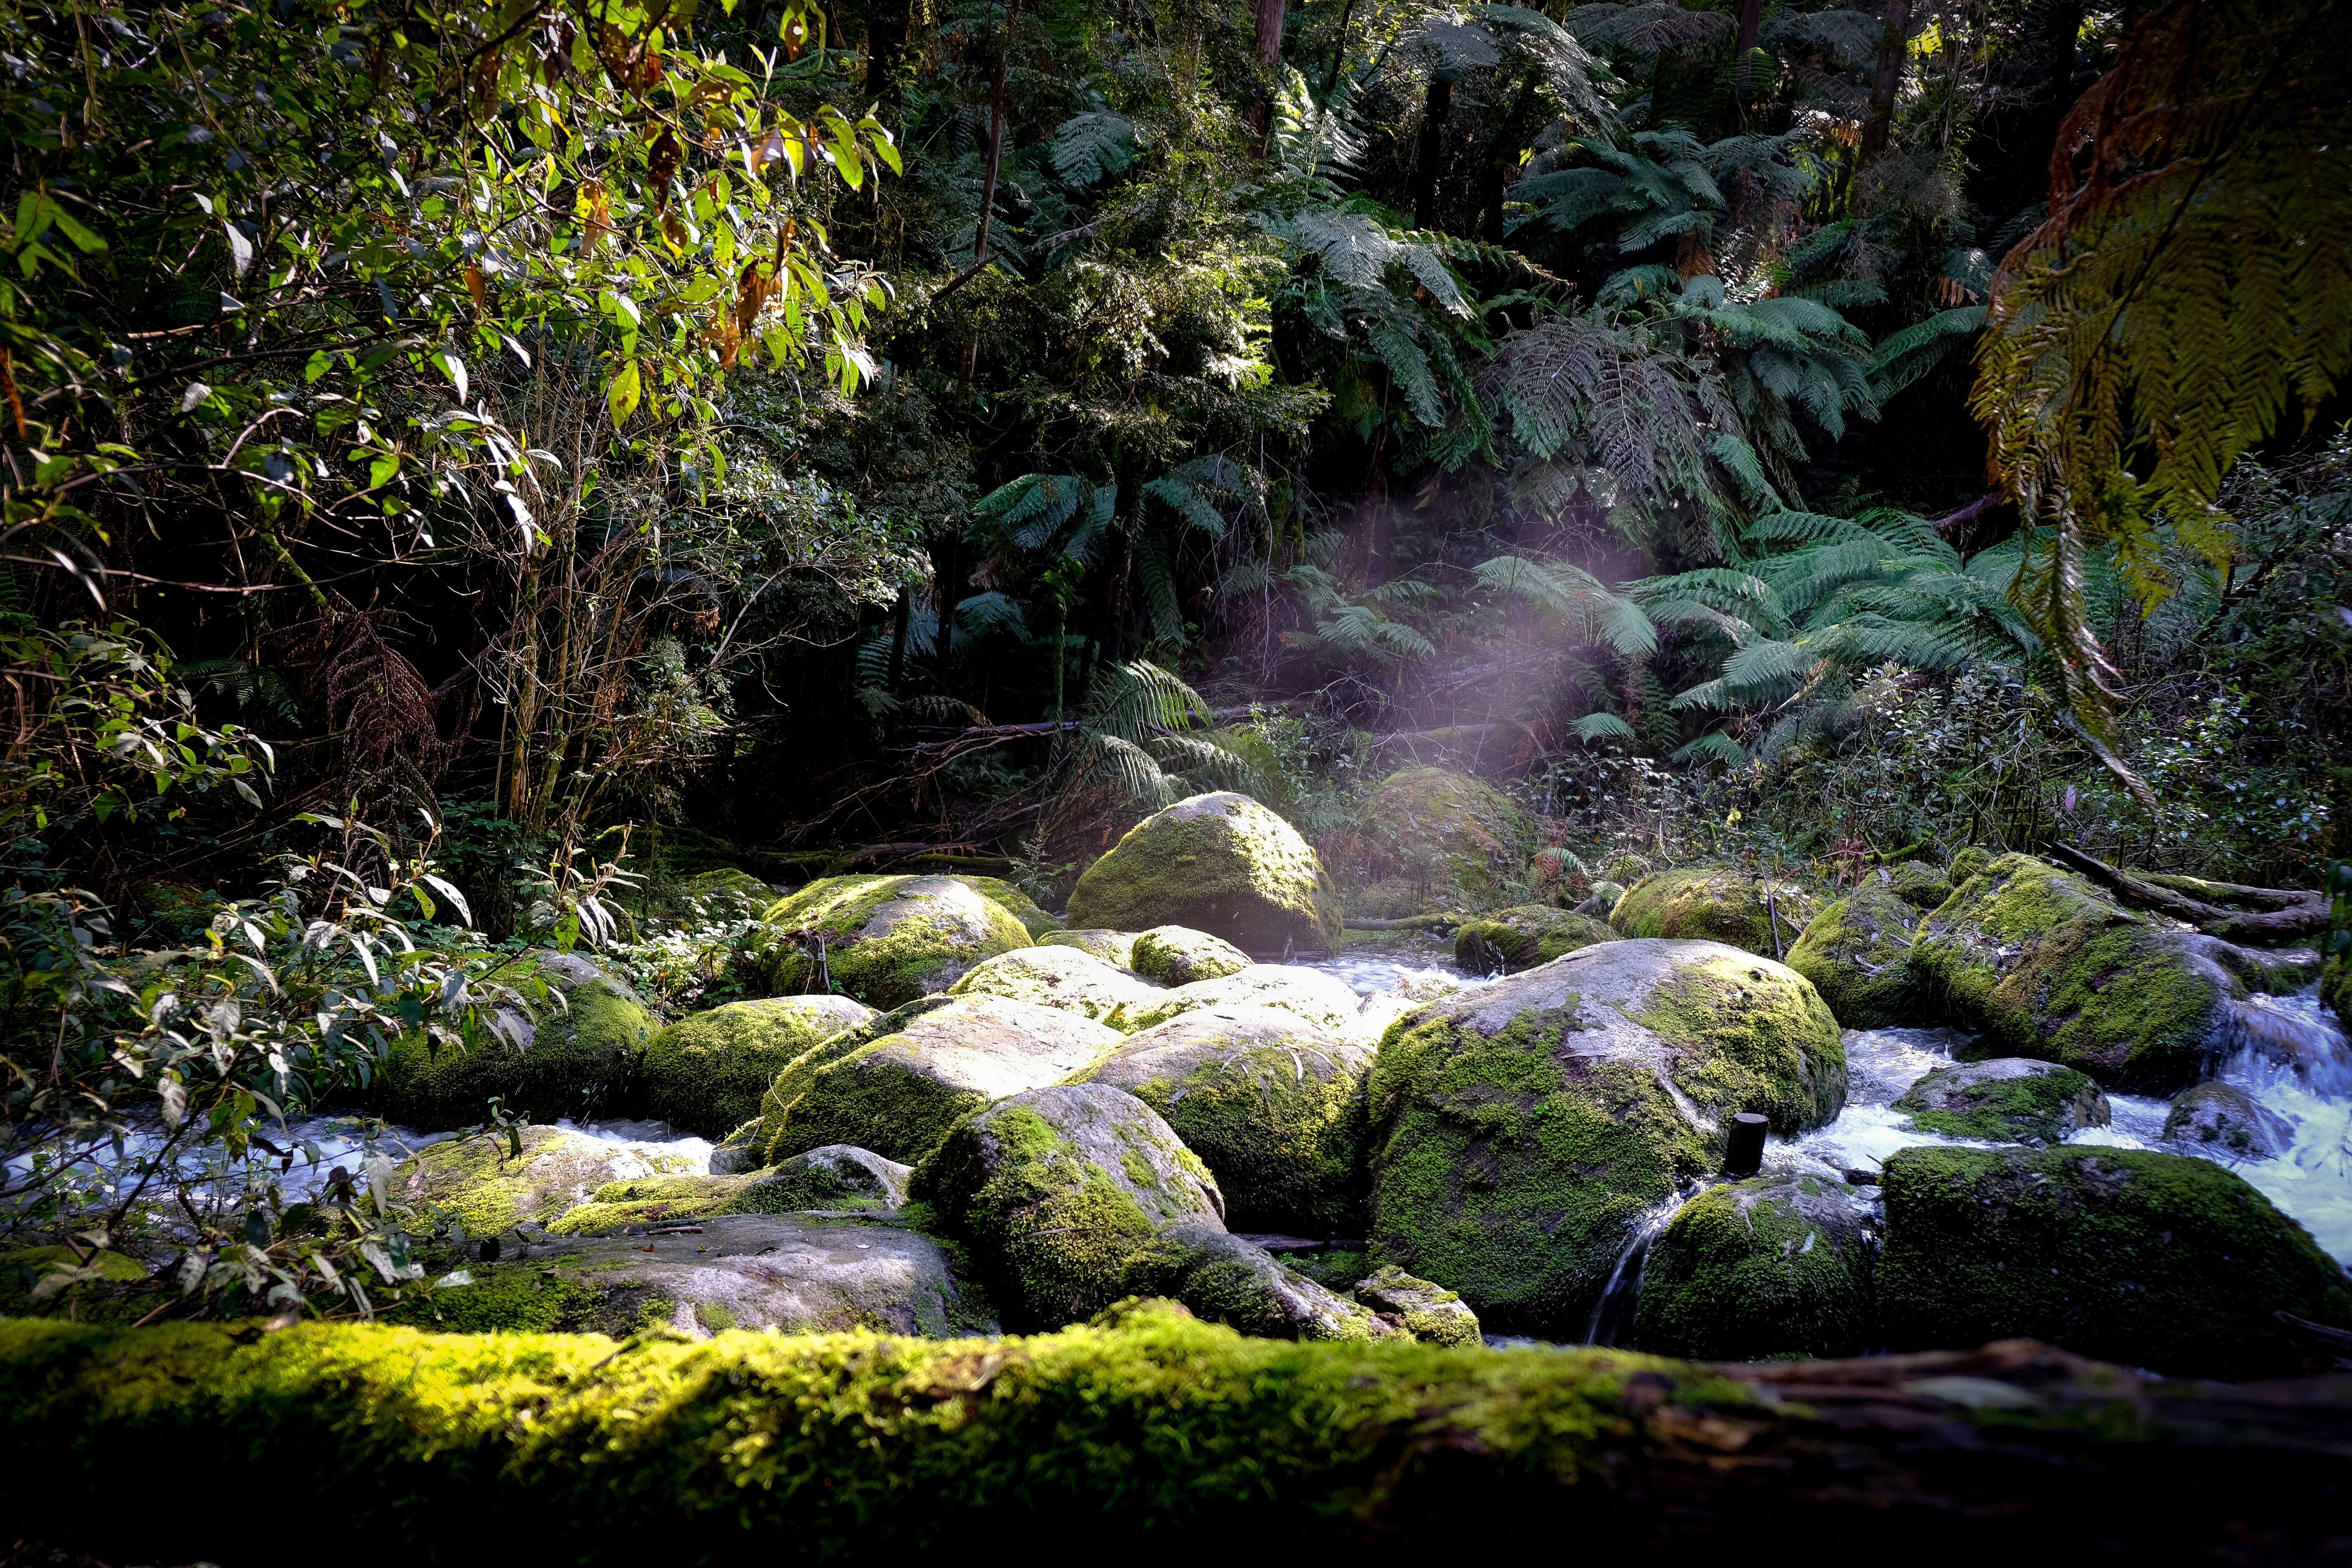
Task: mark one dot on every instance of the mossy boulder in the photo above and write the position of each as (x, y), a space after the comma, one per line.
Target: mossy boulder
(1178, 955)
(2043, 965)
(1062, 1194)
(1776, 1265)
(1523, 936)
(2156, 1261)
(1323, 1000)
(576, 1055)
(2008, 1100)
(1272, 1103)
(895, 1084)
(836, 1178)
(706, 1073)
(1035, 918)
(1519, 1131)
(476, 1182)
(1857, 953)
(1223, 1278)
(1457, 843)
(1428, 1311)
(1219, 863)
(1068, 978)
(1111, 946)
(1920, 883)
(2223, 1121)
(1969, 861)
(795, 1273)
(887, 940)
(1716, 903)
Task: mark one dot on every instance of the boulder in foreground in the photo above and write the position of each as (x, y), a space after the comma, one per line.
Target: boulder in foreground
(1218, 863)
(1775, 1264)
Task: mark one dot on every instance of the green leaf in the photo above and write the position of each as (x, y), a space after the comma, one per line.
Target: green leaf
(455, 369)
(316, 365)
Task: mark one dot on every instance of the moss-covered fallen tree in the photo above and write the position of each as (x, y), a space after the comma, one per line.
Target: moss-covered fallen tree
(379, 1444)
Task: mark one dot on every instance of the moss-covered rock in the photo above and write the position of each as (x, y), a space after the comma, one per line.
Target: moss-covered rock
(1429, 1311)
(1967, 862)
(2043, 965)
(1520, 1130)
(895, 1084)
(1920, 883)
(1857, 953)
(1523, 936)
(1272, 1103)
(1323, 1000)
(474, 1182)
(1225, 1279)
(1111, 946)
(2336, 989)
(2007, 1099)
(1035, 918)
(1068, 978)
(577, 1056)
(1063, 1194)
(1716, 903)
(888, 940)
(835, 1178)
(1219, 863)
(1775, 1264)
(738, 1152)
(1178, 955)
(2156, 1260)
(1456, 843)
(706, 1073)
(2223, 1121)
(797, 1273)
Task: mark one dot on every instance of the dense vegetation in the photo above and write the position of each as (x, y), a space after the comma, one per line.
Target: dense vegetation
(470, 469)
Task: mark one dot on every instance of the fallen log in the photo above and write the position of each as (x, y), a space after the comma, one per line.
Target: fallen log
(1152, 1429)
(2294, 913)
(1434, 921)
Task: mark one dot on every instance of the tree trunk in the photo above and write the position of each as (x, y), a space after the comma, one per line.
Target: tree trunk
(1269, 54)
(1433, 113)
(885, 49)
(988, 193)
(1892, 43)
(1752, 22)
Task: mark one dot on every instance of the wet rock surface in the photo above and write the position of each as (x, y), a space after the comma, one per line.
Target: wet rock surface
(2007, 1099)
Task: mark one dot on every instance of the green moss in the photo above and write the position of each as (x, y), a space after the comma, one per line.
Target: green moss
(1857, 953)
(2044, 965)
(889, 940)
(2156, 1260)
(1455, 842)
(1769, 1266)
(474, 1182)
(1156, 1427)
(1510, 1176)
(1756, 1037)
(1430, 1312)
(1334, 1269)
(1967, 862)
(1034, 917)
(706, 1073)
(1716, 903)
(1520, 938)
(1063, 977)
(2036, 1101)
(1111, 946)
(1919, 884)
(1218, 863)
(582, 1059)
(503, 1299)
(1176, 955)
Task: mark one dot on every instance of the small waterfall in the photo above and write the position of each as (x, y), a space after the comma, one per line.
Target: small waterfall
(2299, 1034)
(1611, 1321)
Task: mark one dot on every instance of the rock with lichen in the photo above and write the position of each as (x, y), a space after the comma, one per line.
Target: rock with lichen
(2223, 1121)
(1223, 1279)
(1218, 863)
(887, 940)
(1178, 955)
(2041, 963)
(706, 1073)
(1068, 978)
(1451, 841)
(487, 1188)
(2006, 1100)
(1920, 883)
(2149, 1259)
(1111, 946)
(1323, 1000)
(1274, 1104)
(1427, 1310)
(1062, 1193)
(1857, 953)
(1521, 937)
(1776, 1265)
(1728, 904)
(571, 1050)
(794, 1273)
(834, 1179)
(1520, 1131)
(897, 1083)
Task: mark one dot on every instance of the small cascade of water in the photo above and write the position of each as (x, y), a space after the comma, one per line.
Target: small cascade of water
(1612, 1322)
(2298, 1034)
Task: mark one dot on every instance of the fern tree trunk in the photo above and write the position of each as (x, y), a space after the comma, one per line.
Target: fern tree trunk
(1270, 15)
(1880, 127)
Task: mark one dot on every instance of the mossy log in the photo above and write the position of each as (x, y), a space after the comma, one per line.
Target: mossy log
(1173, 1435)
(2281, 914)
